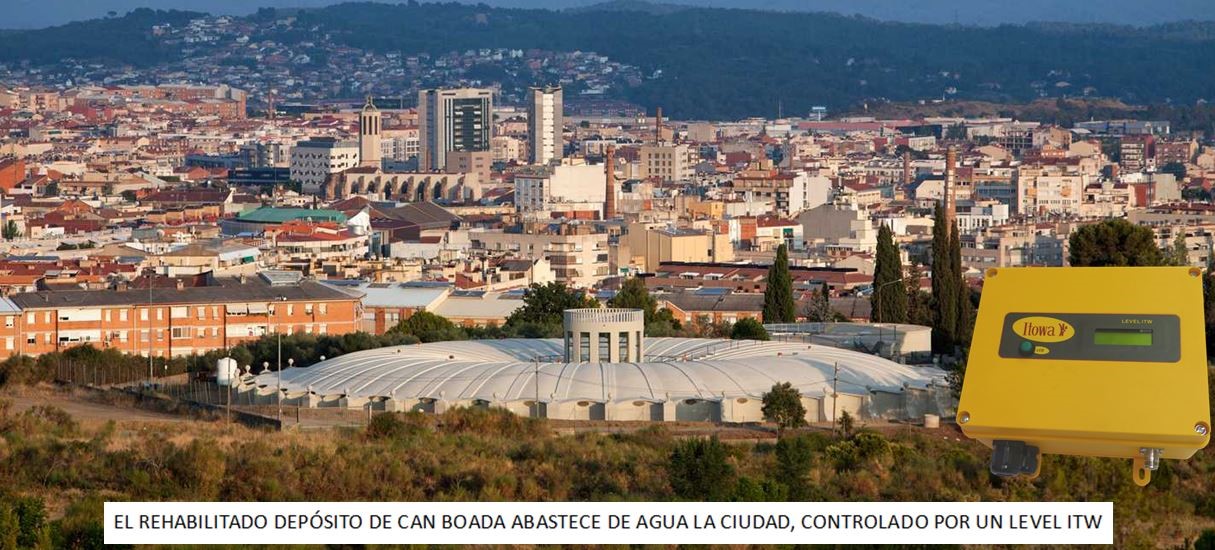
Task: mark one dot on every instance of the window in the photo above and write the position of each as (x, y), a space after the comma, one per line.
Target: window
(122, 315)
(29, 318)
(31, 339)
(584, 346)
(202, 312)
(160, 335)
(322, 329)
(143, 336)
(107, 315)
(605, 346)
(637, 343)
(180, 333)
(324, 309)
(308, 309)
(47, 318)
(160, 314)
(290, 309)
(622, 344)
(215, 332)
(143, 315)
(9, 321)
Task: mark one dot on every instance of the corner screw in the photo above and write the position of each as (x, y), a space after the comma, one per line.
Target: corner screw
(964, 418)
(1200, 428)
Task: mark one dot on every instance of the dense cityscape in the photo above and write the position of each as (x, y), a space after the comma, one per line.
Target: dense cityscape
(309, 224)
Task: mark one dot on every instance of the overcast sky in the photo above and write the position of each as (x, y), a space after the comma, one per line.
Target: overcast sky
(42, 13)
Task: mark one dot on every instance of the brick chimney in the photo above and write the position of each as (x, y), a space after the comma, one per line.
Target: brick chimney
(907, 168)
(609, 196)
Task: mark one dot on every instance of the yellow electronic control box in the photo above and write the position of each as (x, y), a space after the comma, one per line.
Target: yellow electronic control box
(1100, 361)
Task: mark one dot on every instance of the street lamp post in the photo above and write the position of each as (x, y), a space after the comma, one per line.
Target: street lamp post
(279, 378)
(290, 363)
(881, 339)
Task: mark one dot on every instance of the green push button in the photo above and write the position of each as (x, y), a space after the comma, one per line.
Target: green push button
(1027, 348)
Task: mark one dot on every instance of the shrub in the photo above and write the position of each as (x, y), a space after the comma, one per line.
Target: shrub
(844, 455)
(748, 329)
(698, 470)
(491, 421)
(1206, 541)
(783, 405)
(396, 425)
(847, 423)
(871, 445)
(428, 327)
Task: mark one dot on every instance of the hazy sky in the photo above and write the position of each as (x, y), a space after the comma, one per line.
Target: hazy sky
(42, 13)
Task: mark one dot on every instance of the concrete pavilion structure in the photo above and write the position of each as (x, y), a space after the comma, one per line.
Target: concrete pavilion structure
(595, 373)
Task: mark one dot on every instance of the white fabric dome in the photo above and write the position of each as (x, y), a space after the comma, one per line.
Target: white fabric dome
(675, 369)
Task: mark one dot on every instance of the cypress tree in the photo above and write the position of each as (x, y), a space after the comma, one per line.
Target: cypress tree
(889, 302)
(962, 293)
(944, 292)
(778, 296)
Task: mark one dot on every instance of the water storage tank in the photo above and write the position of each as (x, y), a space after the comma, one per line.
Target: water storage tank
(607, 335)
(226, 371)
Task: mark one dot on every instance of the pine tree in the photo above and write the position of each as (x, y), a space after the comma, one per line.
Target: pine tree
(819, 310)
(944, 292)
(889, 302)
(778, 296)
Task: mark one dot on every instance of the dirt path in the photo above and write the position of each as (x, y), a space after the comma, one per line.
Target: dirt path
(88, 411)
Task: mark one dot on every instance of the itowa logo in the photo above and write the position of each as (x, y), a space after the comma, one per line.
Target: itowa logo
(1043, 329)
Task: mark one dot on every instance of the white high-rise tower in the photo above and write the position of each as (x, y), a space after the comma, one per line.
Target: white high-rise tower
(544, 122)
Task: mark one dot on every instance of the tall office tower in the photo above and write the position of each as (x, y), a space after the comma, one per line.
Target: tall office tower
(544, 122)
(452, 121)
(369, 135)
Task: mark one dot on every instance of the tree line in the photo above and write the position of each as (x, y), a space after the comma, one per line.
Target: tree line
(761, 59)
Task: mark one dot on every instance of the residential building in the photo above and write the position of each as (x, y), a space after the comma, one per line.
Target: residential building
(561, 187)
(1138, 153)
(315, 160)
(644, 246)
(450, 120)
(177, 320)
(668, 163)
(544, 124)
(577, 256)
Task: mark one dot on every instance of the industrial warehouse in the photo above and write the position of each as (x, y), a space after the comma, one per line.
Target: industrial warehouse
(605, 370)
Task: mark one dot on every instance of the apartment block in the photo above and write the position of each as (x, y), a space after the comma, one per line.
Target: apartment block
(179, 320)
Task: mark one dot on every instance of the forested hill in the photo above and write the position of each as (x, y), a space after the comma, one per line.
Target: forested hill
(729, 63)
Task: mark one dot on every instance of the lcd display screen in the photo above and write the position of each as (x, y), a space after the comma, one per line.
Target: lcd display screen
(1112, 337)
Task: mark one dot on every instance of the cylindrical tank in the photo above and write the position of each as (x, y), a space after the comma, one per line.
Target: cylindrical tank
(226, 371)
(605, 335)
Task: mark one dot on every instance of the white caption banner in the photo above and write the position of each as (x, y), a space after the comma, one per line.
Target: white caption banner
(609, 523)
